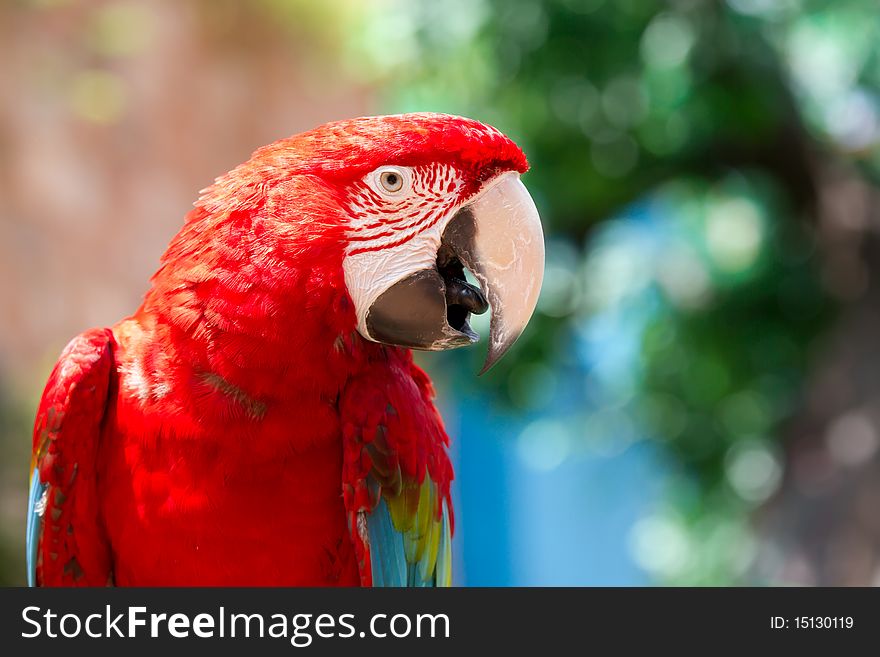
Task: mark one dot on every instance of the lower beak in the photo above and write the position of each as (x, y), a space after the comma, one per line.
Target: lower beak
(498, 237)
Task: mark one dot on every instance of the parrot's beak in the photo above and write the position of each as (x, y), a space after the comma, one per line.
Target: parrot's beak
(497, 236)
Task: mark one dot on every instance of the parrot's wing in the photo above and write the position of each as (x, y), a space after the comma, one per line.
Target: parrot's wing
(396, 476)
(65, 542)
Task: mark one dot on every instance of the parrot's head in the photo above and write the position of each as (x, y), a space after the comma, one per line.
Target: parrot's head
(411, 201)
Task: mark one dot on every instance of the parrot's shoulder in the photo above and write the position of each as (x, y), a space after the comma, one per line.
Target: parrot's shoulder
(63, 474)
(84, 365)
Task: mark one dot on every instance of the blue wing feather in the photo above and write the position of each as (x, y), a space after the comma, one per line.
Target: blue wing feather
(387, 557)
(34, 525)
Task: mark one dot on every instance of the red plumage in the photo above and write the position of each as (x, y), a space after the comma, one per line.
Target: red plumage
(232, 429)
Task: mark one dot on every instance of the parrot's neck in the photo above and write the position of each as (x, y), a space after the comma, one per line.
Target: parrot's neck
(259, 326)
(269, 355)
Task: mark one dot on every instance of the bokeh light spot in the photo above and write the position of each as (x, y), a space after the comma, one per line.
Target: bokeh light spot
(734, 233)
(660, 545)
(544, 444)
(852, 438)
(684, 278)
(97, 96)
(667, 41)
(753, 470)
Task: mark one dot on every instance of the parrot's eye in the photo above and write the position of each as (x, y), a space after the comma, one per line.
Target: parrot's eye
(392, 180)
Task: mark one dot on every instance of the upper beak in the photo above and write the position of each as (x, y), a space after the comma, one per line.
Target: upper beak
(498, 237)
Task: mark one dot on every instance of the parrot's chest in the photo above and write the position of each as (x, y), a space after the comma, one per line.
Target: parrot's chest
(220, 499)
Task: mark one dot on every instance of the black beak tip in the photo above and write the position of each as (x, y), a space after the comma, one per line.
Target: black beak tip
(499, 344)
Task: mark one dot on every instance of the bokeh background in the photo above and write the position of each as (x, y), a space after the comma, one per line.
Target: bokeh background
(697, 400)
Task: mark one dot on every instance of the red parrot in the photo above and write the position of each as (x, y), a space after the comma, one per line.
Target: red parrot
(259, 420)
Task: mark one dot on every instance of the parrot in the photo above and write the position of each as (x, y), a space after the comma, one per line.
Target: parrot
(259, 420)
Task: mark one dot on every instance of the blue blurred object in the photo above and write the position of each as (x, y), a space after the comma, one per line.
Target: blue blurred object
(565, 526)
